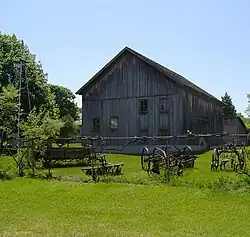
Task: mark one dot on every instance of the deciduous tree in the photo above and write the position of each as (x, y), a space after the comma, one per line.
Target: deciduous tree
(64, 99)
(17, 63)
(8, 112)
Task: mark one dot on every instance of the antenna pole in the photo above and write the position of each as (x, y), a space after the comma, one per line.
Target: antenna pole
(21, 69)
(19, 104)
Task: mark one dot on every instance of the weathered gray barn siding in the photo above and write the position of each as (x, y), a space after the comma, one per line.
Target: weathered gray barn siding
(117, 91)
(202, 115)
(235, 126)
(118, 94)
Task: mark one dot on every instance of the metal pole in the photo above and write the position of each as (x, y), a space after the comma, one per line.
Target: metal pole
(26, 79)
(19, 105)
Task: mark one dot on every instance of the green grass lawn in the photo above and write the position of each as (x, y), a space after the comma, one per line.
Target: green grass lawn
(32, 207)
(52, 208)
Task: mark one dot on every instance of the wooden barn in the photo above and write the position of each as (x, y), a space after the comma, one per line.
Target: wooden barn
(235, 126)
(134, 96)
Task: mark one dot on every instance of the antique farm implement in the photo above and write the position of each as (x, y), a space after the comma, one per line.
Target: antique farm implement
(99, 165)
(95, 162)
(162, 159)
(229, 152)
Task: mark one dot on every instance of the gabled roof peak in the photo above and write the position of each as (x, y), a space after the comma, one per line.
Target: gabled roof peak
(167, 72)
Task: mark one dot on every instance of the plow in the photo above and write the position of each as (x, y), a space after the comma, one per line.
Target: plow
(100, 166)
(231, 153)
(163, 160)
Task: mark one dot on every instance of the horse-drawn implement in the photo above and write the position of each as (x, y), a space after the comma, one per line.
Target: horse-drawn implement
(163, 159)
(100, 166)
(229, 152)
(95, 162)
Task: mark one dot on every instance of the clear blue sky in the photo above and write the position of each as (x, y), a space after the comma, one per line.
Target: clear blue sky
(208, 42)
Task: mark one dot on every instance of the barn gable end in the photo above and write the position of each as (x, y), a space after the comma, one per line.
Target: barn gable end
(118, 92)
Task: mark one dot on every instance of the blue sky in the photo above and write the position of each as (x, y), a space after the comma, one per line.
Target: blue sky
(208, 42)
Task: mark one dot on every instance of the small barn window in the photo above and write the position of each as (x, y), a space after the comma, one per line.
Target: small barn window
(143, 106)
(96, 124)
(114, 123)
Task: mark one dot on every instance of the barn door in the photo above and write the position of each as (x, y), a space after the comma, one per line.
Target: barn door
(143, 117)
(164, 125)
(143, 125)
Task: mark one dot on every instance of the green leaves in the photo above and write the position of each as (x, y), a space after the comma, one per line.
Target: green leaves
(64, 100)
(8, 110)
(16, 62)
(70, 129)
(41, 125)
(248, 106)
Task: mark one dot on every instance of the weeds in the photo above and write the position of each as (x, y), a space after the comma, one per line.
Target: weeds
(6, 175)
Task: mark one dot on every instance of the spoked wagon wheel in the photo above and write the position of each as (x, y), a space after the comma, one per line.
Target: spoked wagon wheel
(156, 163)
(242, 159)
(188, 153)
(215, 160)
(145, 159)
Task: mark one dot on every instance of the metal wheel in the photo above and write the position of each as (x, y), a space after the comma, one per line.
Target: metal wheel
(215, 160)
(158, 161)
(242, 159)
(188, 153)
(188, 150)
(145, 159)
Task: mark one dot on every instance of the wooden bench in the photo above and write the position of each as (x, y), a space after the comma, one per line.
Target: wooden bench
(111, 169)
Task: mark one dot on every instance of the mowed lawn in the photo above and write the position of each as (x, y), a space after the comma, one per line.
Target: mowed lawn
(32, 207)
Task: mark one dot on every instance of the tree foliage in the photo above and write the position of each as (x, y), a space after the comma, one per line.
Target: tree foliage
(41, 125)
(229, 110)
(64, 99)
(8, 112)
(70, 128)
(17, 63)
(248, 106)
(37, 130)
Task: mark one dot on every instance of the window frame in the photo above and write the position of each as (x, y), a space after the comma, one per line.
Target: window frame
(110, 123)
(94, 127)
(141, 105)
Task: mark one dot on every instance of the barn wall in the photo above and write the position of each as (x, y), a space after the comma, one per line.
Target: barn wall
(203, 116)
(234, 126)
(124, 84)
(118, 94)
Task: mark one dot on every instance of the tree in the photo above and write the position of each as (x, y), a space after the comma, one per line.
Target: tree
(37, 130)
(248, 106)
(17, 63)
(229, 110)
(70, 129)
(8, 112)
(64, 100)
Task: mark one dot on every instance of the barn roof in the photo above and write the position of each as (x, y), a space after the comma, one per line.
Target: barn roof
(167, 72)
